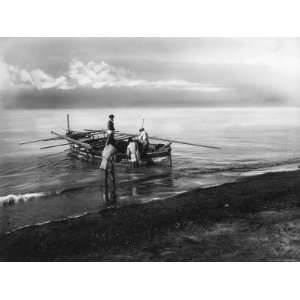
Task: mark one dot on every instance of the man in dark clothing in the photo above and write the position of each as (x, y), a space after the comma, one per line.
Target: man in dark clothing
(110, 123)
(110, 130)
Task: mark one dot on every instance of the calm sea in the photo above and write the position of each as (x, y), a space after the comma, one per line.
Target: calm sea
(38, 186)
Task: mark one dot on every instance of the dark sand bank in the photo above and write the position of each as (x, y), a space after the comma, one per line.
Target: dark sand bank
(256, 219)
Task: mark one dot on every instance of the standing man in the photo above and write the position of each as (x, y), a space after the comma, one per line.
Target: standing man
(110, 130)
(144, 142)
(109, 150)
(133, 152)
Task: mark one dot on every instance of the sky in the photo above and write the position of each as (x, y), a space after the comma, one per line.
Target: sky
(124, 72)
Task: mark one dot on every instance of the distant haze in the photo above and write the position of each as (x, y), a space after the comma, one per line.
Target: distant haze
(126, 72)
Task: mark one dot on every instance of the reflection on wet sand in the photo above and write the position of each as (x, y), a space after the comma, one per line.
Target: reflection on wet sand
(109, 195)
(116, 192)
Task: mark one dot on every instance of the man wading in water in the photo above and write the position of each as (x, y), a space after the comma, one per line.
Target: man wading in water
(107, 163)
(133, 152)
(143, 142)
(109, 149)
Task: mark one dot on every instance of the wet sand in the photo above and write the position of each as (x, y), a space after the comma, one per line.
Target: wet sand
(255, 219)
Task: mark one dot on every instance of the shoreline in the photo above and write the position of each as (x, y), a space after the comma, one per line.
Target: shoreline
(175, 228)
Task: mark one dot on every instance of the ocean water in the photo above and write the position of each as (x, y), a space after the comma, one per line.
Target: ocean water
(38, 186)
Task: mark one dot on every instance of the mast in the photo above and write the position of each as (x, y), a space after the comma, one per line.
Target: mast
(68, 123)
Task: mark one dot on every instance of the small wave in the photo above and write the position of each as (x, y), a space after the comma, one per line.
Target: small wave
(49, 222)
(164, 195)
(13, 199)
(275, 169)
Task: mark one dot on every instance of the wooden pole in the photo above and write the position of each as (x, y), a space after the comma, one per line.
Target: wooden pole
(68, 123)
(174, 141)
(95, 130)
(54, 146)
(184, 143)
(84, 145)
(41, 140)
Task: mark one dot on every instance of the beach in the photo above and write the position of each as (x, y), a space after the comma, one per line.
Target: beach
(253, 219)
(48, 185)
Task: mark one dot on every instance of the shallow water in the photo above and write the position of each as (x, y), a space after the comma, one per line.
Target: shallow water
(45, 185)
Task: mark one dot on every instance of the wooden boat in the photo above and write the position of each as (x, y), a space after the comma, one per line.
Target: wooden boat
(89, 144)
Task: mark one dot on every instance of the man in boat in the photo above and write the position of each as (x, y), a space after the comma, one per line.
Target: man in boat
(133, 152)
(143, 140)
(110, 130)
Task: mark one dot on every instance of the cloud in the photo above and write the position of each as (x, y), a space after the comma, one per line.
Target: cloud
(98, 75)
(21, 78)
(4, 75)
(91, 75)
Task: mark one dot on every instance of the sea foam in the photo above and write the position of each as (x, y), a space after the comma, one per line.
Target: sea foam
(13, 199)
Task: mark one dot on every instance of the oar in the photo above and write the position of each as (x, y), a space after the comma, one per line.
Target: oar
(55, 146)
(41, 140)
(176, 141)
(84, 145)
(184, 143)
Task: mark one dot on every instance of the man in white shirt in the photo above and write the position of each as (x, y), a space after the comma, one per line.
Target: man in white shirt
(143, 139)
(133, 152)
